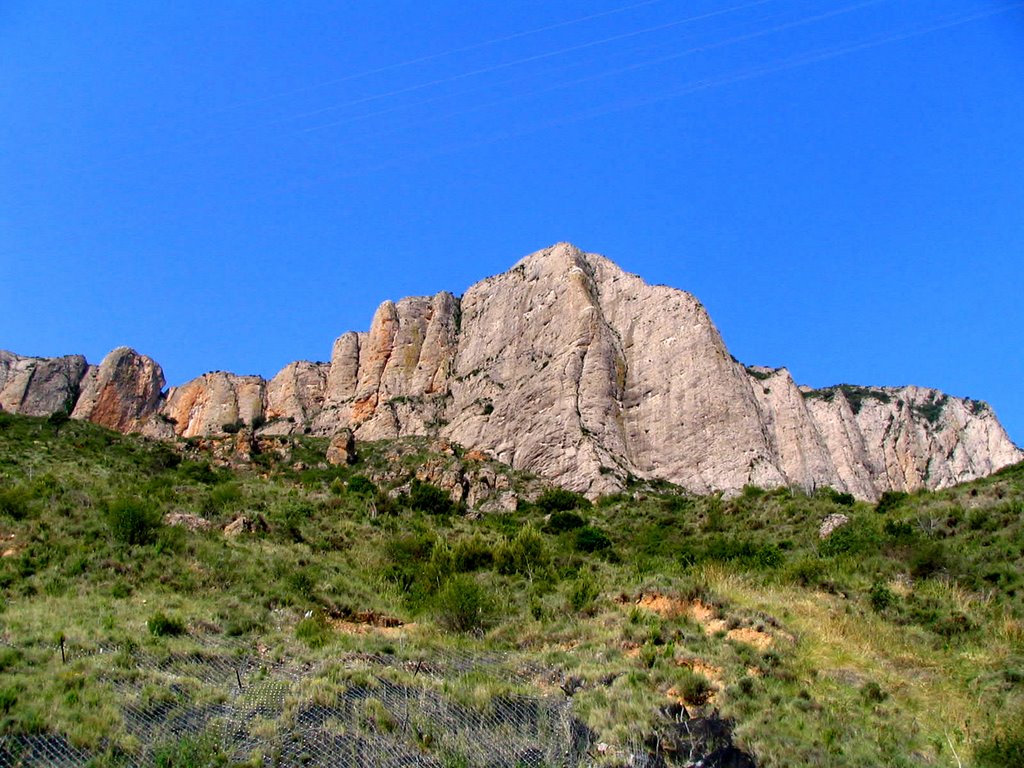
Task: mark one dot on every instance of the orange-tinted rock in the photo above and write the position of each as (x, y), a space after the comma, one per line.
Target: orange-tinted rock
(121, 393)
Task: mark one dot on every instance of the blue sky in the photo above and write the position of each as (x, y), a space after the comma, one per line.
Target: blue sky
(231, 185)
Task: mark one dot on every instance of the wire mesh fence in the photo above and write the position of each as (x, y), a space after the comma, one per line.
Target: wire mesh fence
(353, 709)
(223, 703)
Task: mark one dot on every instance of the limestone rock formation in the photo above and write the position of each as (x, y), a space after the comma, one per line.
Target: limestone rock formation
(342, 448)
(122, 392)
(565, 366)
(589, 375)
(214, 403)
(907, 438)
(295, 396)
(831, 523)
(404, 367)
(569, 367)
(39, 386)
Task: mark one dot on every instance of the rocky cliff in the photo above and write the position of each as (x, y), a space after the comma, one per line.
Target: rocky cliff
(565, 366)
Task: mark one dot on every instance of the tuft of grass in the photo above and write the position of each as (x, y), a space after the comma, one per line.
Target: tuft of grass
(162, 625)
(314, 630)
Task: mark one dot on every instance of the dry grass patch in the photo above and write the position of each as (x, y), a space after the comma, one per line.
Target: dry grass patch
(841, 647)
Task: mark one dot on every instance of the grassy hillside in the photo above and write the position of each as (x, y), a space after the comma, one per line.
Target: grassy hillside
(897, 640)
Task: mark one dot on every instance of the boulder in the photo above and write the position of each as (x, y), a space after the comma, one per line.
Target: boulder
(831, 523)
(342, 448)
(246, 524)
(189, 521)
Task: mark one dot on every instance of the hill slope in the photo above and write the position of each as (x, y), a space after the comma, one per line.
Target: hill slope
(159, 609)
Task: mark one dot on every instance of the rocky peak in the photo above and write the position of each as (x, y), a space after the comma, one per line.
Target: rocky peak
(566, 366)
(121, 393)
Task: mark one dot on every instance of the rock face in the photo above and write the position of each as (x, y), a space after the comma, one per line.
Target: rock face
(565, 366)
(214, 403)
(296, 395)
(122, 392)
(39, 386)
(342, 448)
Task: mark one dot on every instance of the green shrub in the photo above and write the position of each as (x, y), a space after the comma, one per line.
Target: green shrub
(133, 521)
(899, 530)
(438, 568)
(189, 752)
(525, 553)
(8, 698)
(430, 499)
(694, 688)
(223, 496)
(561, 500)
(928, 559)
(405, 556)
(162, 625)
(301, 583)
(120, 590)
(9, 657)
(377, 716)
(14, 502)
(361, 486)
(889, 501)
(591, 539)
(981, 520)
(881, 597)
(872, 693)
(472, 554)
(290, 517)
(807, 572)
(752, 492)
(744, 552)
(314, 630)
(199, 472)
(241, 619)
(563, 521)
(463, 605)
(58, 419)
(952, 625)
(583, 594)
(836, 497)
(161, 457)
(1003, 750)
(854, 538)
(714, 518)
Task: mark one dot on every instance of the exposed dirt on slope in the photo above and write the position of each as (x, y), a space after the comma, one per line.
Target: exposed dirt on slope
(708, 616)
(369, 622)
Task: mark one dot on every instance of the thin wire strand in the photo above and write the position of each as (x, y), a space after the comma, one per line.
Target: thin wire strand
(694, 87)
(440, 54)
(653, 61)
(537, 57)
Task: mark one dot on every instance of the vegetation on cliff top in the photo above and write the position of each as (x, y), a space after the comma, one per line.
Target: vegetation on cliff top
(896, 640)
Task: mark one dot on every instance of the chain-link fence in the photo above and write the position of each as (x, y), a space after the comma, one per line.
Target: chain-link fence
(222, 702)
